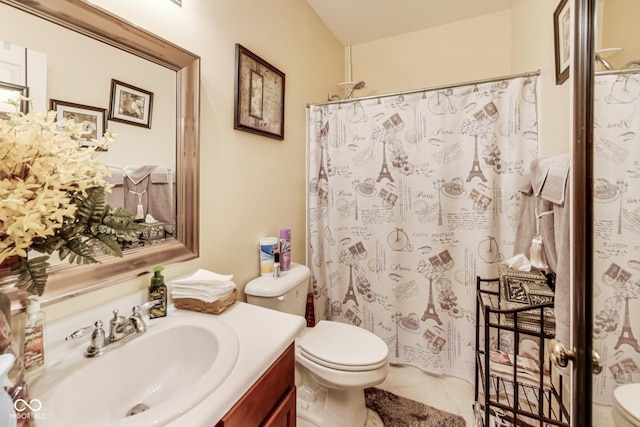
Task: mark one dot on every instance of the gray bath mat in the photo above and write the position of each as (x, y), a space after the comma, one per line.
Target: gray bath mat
(397, 411)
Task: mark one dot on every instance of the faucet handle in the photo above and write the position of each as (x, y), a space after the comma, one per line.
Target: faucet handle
(84, 331)
(98, 341)
(136, 318)
(147, 305)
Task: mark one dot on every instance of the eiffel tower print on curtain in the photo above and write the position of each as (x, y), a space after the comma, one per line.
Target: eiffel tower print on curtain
(476, 171)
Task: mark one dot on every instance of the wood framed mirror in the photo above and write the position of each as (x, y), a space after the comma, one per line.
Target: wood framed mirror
(69, 279)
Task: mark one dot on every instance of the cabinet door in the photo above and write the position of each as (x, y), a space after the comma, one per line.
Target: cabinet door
(267, 394)
(285, 413)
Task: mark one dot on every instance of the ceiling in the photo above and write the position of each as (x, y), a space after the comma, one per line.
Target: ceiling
(361, 21)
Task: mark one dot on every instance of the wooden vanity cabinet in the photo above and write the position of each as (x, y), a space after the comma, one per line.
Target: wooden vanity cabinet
(271, 401)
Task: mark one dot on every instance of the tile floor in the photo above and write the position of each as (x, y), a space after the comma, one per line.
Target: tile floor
(453, 394)
(447, 393)
(602, 416)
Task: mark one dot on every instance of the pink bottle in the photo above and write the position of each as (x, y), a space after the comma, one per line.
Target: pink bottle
(285, 249)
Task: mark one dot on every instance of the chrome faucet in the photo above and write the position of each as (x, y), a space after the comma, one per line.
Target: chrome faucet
(121, 331)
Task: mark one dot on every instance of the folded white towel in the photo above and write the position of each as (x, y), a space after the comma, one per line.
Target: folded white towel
(204, 277)
(201, 295)
(203, 285)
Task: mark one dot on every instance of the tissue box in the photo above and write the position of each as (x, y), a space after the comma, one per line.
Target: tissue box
(152, 231)
(520, 289)
(215, 307)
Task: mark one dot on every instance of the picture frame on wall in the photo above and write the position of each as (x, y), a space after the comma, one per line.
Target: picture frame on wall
(562, 40)
(93, 119)
(130, 104)
(259, 95)
(13, 92)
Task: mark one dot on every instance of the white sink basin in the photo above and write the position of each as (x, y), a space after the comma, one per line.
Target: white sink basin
(176, 364)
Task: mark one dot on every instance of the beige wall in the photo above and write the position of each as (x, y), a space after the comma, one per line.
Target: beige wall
(532, 48)
(618, 31)
(467, 50)
(252, 186)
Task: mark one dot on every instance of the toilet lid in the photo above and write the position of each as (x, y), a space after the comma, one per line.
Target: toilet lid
(344, 347)
(626, 399)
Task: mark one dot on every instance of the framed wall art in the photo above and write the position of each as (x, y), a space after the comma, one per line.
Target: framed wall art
(93, 119)
(12, 92)
(130, 104)
(561, 36)
(259, 96)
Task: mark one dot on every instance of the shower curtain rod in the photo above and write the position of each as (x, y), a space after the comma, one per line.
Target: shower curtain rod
(626, 71)
(448, 86)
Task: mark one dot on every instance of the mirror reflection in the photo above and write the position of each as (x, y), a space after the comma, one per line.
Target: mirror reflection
(77, 76)
(108, 74)
(617, 41)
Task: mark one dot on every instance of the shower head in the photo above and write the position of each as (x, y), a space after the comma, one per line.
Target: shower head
(358, 85)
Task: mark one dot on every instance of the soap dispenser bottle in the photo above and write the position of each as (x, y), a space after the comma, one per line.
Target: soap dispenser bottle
(158, 291)
(33, 340)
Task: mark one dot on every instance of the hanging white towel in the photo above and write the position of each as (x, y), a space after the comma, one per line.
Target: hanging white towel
(557, 175)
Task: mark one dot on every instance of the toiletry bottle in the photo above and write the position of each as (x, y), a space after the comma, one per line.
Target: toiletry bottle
(285, 249)
(276, 266)
(33, 340)
(268, 249)
(158, 291)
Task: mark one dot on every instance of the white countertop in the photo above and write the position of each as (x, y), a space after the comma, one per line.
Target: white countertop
(262, 334)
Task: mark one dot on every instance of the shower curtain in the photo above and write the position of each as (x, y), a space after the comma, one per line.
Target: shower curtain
(616, 231)
(410, 196)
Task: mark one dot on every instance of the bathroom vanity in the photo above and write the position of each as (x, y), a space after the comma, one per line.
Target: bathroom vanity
(260, 390)
(189, 368)
(271, 401)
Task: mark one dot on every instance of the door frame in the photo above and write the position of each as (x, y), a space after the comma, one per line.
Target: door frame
(582, 214)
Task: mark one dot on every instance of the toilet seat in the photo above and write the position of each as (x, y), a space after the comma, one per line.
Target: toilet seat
(625, 401)
(343, 347)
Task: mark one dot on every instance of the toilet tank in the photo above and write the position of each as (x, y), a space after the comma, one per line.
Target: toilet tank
(287, 293)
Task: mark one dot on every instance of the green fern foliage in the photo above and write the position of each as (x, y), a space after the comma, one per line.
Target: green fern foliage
(96, 229)
(33, 274)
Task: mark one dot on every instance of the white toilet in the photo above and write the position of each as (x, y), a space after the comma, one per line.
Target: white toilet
(335, 361)
(626, 409)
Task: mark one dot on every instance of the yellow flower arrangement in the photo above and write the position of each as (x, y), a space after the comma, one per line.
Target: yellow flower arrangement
(52, 196)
